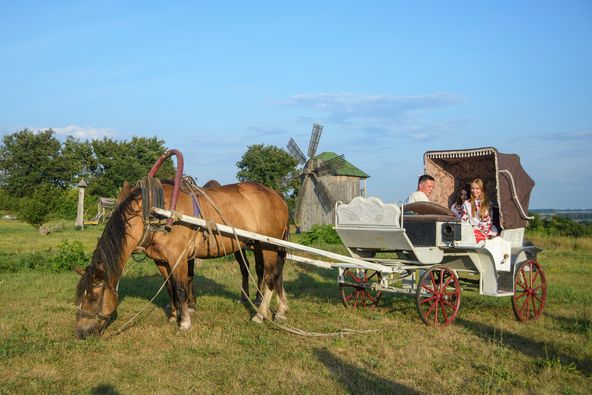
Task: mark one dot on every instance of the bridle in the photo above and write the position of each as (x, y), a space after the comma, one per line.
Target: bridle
(97, 314)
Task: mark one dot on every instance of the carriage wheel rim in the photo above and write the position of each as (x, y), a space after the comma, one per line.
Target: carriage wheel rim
(530, 291)
(437, 305)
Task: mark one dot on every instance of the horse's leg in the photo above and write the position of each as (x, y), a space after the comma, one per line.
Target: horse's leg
(260, 269)
(243, 263)
(278, 278)
(180, 280)
(263, 310)
(190, 291)
(266, 287)
(170, 307)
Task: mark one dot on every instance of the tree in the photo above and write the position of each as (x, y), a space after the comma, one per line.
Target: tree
(35, 208)
(119, 161)
(29, 159)
(271, 166)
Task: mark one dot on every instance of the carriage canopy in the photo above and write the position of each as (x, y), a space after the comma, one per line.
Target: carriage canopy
(507, 184)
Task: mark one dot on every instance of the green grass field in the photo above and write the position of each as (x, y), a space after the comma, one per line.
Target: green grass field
(485, 351)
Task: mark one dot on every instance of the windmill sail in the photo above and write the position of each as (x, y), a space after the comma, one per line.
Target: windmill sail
(296, 152)
(325, 197)
(314, 140)
(330, 166)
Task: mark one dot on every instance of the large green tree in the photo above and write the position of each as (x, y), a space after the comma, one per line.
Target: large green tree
(119, 161)
(30, 159)
(271, 166)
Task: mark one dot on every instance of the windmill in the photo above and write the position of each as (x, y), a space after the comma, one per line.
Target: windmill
(312, 172)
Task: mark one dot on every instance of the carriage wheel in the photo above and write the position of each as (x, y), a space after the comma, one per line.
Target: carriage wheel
(356, 290)
(530, 291)
(438, 296)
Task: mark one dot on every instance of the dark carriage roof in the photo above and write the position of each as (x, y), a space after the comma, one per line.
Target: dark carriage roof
(507, 183)
(347, 169)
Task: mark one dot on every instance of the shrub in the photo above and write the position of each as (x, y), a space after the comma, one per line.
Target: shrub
(320, 234)
(35, 209)
(65, 258)
(68, 256)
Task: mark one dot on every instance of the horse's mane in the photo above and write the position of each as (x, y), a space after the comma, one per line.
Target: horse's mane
(110, 247)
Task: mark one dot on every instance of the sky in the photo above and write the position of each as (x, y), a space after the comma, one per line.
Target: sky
(388, 80)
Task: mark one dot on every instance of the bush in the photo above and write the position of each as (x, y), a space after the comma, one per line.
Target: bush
(320, 234)
(65, 258)
(68, 256)
(35, 209)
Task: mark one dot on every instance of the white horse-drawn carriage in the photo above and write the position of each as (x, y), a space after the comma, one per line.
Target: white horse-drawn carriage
(425, 240)
(423, 250)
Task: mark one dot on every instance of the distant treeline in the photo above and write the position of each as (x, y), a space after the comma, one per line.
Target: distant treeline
(560, 225)
(576, 215)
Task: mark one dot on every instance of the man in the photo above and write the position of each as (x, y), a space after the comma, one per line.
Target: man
(425, 185)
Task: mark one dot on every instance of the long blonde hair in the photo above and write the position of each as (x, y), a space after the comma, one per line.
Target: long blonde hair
(484, 199)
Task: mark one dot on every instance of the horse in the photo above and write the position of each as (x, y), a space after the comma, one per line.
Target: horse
(246, 205)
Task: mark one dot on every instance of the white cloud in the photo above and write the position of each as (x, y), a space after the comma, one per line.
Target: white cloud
(85, 132)
(344, 107)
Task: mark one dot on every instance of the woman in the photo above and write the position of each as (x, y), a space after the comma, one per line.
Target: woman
(457, 207)
(477, 212)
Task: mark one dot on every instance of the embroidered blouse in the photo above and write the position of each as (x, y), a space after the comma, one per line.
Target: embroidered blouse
(483, 224)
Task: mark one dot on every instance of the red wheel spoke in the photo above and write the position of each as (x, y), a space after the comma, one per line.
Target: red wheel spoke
(536, 276)
(523, 294)
(429, 299)
(443, 309)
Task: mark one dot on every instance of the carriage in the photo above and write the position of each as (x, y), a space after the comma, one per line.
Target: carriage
(421, 248)
(432, 255)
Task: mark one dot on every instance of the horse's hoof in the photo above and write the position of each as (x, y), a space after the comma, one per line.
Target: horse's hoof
(172, 319)
(192, 310)
(185, 326)
(279, 317)
(257, 318)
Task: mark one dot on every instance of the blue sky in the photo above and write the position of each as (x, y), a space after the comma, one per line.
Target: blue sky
(389, 80)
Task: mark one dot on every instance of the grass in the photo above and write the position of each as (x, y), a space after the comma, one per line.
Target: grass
(485, 351)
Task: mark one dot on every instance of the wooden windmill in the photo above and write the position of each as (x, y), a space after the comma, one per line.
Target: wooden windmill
(323, 182)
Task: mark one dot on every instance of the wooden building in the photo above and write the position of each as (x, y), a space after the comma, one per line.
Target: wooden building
(320, 191)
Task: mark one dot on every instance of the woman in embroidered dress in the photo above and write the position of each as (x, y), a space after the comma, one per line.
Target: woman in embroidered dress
(477, 212)
(457, 207)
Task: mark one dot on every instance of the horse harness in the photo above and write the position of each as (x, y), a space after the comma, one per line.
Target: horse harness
(97, 314)
(153, 196)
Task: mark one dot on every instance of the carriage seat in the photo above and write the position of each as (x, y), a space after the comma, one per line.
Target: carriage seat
(370, 224)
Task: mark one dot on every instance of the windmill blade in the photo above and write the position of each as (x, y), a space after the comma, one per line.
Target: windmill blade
(314, 140)
(296, 152)
(325, 197)
(299, 199)
(330, 166)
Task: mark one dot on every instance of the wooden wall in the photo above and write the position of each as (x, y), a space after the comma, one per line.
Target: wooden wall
(342, 189)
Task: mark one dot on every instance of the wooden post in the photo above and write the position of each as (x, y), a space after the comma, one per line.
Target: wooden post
(80, 212)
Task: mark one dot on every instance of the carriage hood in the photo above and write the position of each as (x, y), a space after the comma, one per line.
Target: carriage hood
(506, 182)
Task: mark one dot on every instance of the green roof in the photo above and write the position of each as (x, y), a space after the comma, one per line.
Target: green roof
(346, 170)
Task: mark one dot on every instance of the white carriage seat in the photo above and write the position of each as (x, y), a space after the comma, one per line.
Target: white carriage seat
(370, 224)
(367, 212)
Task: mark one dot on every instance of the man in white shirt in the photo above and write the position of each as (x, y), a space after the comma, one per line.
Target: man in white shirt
(425, 185)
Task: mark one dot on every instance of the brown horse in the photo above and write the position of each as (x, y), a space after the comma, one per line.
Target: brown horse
(248, 205)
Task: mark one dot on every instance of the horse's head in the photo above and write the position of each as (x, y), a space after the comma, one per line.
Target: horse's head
(96, 300)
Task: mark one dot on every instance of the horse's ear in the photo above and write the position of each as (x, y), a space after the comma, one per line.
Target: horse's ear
(79, 270)
(123, 192)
